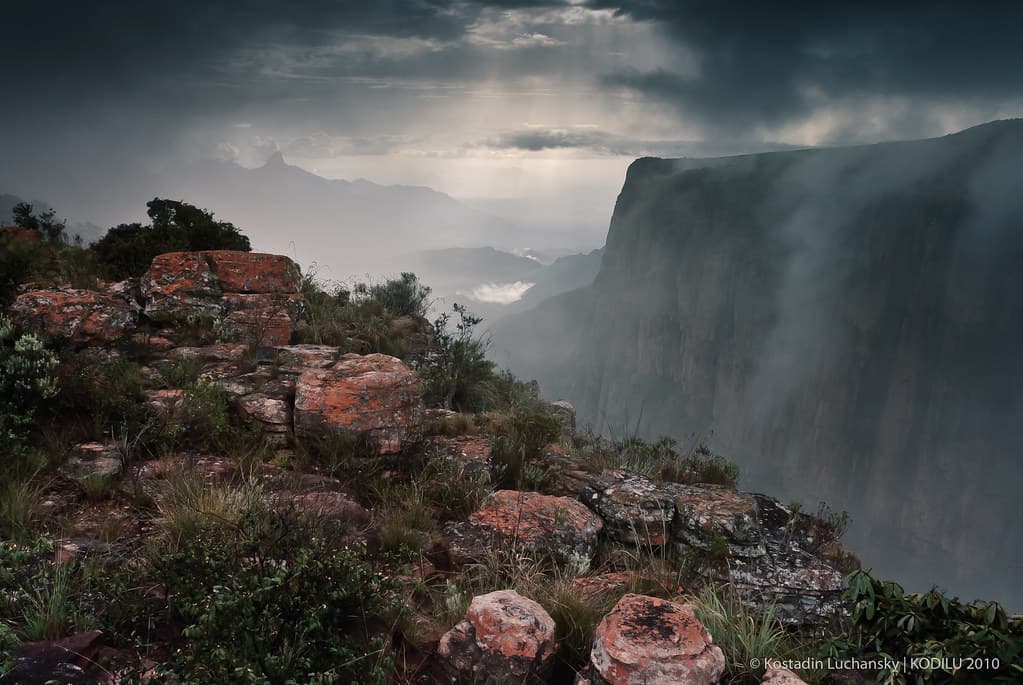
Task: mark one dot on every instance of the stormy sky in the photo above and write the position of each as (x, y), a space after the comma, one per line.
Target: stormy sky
(530, 99)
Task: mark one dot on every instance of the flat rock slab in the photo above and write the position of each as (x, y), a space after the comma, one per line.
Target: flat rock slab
(82, 316)
(636, 510)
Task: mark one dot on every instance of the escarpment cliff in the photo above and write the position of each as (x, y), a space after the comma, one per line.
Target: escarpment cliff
(845, 323)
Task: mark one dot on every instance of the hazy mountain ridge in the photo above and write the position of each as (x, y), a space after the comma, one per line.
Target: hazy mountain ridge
(845, 322)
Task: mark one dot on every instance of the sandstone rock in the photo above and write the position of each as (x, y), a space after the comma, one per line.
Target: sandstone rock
(273, 414)
(564, 412)
(504, 638)
(93, 460)
(249, 297)
(648, 640)
(572, 473)
(540, 525)
(83, 316)
(781, 676)
(705, 512)
(373, 396)
(635, 510)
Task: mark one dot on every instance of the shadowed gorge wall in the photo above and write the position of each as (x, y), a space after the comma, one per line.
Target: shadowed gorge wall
(846, 323)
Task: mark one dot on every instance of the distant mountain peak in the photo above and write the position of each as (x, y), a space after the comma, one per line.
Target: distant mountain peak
(276, 160)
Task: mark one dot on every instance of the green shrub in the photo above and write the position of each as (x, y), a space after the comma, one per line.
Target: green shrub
(109, 397)
(20, 500)
(514, 452)
(457, 372)
(660, 459)
(27, 381)
(128, 249)
(262, 603)
(887, 622)
(402, 296)
(206, 422)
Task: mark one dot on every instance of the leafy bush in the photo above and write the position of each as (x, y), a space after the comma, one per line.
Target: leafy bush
(457, 370)
(402, 296)
(262, 603)
(108, 396)
(128, 249)
(887, 622)
(513, 452)
(364, 318)
(27, 381)
(206, 424)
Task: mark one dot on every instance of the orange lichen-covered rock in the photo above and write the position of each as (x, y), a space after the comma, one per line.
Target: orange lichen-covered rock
(82, 316)
(776, 675)
(560, 528)
(253, 272)
(504, 638)
(649, 640)
(374, 396)
(251, 297)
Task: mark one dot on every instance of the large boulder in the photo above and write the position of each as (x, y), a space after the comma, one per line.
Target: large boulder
(82, 316)
(649, 640)
(374, 396)
(248, 297)
(504, 638)
(560, 528)
(635, 510)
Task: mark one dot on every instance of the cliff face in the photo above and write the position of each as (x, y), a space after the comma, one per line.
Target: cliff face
(846, 323)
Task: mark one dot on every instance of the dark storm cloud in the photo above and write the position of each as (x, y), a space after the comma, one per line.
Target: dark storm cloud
(769, 63)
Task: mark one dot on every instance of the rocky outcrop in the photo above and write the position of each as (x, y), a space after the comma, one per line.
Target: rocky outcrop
(82, 316)
(248, 297)
(528, 523)
(704, 513)
(649, 640)
(375, 397)
(504, 638)
(471, 452)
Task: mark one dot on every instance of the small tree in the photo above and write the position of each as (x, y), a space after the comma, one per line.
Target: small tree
(46, 222)
(26, 381)
(128, 249)
(457, 371)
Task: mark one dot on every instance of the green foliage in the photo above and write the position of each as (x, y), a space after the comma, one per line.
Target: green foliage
(745, 635)
(262, 603)
(49, 226)
(661, 459)
(206, 421)
(48, 608)
(27, 381)
(108, 396)
(364, 318)
(887, 622)
(457, 371)
(128, 249)
(19, 508)
(402, 296)
(514, 452)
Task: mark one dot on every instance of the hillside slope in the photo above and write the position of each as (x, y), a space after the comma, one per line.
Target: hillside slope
(846, 323)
